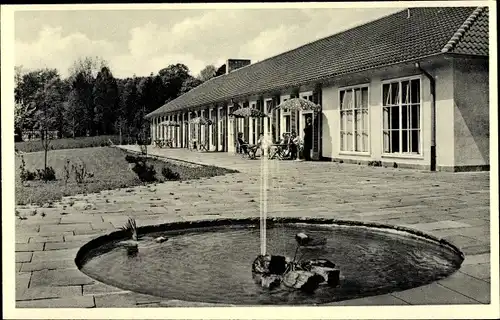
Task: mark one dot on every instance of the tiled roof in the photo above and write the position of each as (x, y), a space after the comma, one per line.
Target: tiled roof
(396, 38)
(472, 37)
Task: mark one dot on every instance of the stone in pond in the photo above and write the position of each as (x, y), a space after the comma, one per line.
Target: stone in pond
(270, 264)
(268, 281)
(305, 240)
(304, 280)
(324, 268)
(161, 239)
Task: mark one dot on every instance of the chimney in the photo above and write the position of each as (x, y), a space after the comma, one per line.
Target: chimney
(233, 64)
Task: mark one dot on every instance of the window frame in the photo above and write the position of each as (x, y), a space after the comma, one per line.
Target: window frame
(403, 155)
(368, 129)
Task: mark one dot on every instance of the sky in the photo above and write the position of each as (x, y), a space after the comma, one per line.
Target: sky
(143, 41)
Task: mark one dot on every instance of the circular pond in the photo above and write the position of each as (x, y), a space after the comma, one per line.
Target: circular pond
(211, 261)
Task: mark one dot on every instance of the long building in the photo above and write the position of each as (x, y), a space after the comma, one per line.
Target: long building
(411, 88)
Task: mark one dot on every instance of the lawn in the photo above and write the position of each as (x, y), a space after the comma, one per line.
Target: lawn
(68, 143)
(110, 169)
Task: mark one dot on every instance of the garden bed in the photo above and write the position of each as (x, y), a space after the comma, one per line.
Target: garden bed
(110, 171)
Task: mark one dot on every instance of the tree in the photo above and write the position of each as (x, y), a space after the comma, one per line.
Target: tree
(23, 114)
(82, 76)
(189, 84)
(47, 100)
(129, 105)
(106, 101)
(27, 86)
(173, 78)
(207, 73)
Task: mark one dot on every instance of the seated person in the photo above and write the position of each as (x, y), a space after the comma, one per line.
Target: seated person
(242, 143)
(292, 146)
(245, 146)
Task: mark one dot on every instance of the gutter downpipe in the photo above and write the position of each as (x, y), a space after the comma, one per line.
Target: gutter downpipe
(432, 82)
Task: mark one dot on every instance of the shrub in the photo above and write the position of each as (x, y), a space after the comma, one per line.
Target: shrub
(375, 163)
(168, 174)
(47, 174)
(145, 172)
(133, 159)
(81, 173)
(67, 171)
(25, 174)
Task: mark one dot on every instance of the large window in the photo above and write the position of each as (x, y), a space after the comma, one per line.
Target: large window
(401, 105)
(354, 119)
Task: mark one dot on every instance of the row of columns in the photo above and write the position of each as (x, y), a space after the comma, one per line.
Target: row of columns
(220, 135)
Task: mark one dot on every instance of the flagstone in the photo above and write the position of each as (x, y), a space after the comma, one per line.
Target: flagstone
(68, 302)
(60, 277)
(476, 289)
(48, 292)
(48, 265)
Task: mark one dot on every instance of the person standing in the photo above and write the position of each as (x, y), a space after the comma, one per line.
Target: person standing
(308, 139)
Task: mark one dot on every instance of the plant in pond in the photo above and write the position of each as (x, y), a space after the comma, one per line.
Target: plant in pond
(131, 227)
(169, 174)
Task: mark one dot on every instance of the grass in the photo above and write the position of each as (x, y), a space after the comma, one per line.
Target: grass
(111, 171)
(68, 143)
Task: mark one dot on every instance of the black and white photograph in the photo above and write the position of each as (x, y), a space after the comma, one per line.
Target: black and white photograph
(250, 160)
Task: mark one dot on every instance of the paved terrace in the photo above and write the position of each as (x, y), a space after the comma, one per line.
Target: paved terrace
(454, 206)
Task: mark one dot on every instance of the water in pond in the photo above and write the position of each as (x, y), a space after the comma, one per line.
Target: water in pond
(215, 265)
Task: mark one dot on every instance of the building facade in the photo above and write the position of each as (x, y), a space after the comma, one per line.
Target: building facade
(411, 88)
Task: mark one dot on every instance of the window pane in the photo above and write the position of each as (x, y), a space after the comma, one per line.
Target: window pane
(342, 141)
(358, 141)
(349, 142)
(415, 91)
(406, 91)
(365, 120)
(415, 141)
(342, 96)
(395, 141)
(415, 116)
(348, 100)
(357, 120)
(404, 141)
(387, 141)
(357, 98)
(364, 98)
(365, 141)
(394, 111)
(386, 97)
(387, 118)
(395, 93)
(349, 120)
(342, 120)
(404, 117)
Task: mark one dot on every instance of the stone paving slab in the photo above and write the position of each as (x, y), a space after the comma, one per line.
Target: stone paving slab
(67, 302)
(437, 203)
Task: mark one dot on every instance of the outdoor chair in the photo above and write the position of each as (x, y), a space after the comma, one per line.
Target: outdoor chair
(203, 147)
(248, 150)
(193, 145)
(168, 143)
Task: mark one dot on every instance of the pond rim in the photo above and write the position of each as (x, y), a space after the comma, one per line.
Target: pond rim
(200, 225)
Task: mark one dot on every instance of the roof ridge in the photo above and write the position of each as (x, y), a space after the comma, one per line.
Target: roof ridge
(457, 36)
